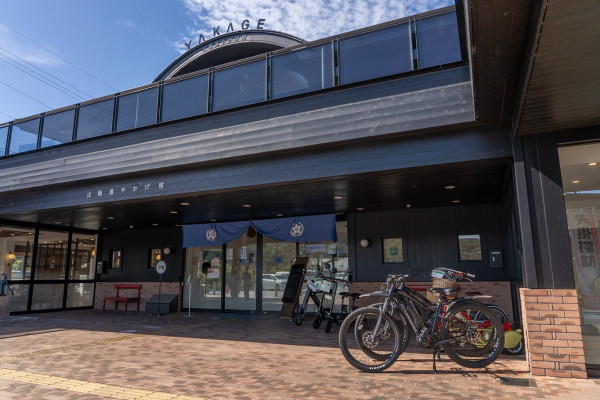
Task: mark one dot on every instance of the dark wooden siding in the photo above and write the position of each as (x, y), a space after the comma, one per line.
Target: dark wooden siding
(431, 241)
(135, 245)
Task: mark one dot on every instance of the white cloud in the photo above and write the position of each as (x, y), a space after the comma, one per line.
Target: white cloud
(14, 44)
(306, 19)
(126, 24)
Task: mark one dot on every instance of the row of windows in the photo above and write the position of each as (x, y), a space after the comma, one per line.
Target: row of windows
(424, 43)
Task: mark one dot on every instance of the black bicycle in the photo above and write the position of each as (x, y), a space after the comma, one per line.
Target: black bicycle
(372, 338)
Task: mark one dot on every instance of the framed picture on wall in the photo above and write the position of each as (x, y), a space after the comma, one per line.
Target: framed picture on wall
(116, 259)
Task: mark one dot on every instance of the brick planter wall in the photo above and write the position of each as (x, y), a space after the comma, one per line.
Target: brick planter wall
(552, 326)
(107, 289)
(500, 292)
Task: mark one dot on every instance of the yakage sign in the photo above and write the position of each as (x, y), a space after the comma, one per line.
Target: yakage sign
(245, 25)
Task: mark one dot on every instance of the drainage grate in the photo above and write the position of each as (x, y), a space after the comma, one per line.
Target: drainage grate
(517, 382)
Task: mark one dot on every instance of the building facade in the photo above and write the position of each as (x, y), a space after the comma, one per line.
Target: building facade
(466, 137)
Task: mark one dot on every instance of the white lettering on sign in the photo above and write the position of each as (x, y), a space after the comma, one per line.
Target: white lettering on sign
(148, 186)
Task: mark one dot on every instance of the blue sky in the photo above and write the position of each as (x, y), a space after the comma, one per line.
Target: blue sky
(100, 47)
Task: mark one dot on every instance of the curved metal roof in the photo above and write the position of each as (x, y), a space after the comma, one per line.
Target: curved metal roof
(226, 48)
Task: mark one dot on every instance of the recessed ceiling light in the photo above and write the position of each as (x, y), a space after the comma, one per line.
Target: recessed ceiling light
(154, 224)
(450, 187)
(104, 228)
(574, 181)
(456, 201)
(408, 205)
(359, 209)
(131, 226)
(592, 164)
(246, 205)
(110, 217)
(185, 204)
(337, 197)
(173, 212)
(280, 215)
(213, 220)
(57, 222)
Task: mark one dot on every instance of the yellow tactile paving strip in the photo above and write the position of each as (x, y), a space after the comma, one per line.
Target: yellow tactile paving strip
(74, 385)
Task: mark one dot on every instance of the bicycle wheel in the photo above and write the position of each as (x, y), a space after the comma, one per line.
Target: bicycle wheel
(327, 327)
(406, 332)
(299, 315)
(500, 313)
(357, 333)
(316, 320)
(518, 349)
(472, 344)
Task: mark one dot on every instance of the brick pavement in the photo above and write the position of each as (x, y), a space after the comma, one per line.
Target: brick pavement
(91, 354)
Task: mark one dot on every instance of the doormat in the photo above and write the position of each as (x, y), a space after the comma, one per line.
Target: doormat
(525, 382)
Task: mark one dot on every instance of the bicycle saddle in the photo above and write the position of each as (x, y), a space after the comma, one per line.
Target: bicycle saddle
(344, 294)
(446, 291)
(354, 295)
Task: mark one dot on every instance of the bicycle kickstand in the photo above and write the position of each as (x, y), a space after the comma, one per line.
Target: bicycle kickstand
(436, 352)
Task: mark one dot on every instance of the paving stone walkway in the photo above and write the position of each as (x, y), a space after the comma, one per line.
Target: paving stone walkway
(91, 354)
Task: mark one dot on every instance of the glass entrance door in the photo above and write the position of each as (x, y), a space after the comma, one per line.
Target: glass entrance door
(278, 257)
(240, 273)
(203, 277)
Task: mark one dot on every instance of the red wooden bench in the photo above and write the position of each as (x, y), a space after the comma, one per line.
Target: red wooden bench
(125, 299)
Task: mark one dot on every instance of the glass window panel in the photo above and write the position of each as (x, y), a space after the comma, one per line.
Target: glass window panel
(302, 71)
(18, 301)
(137, 109)
(319, 253)
(392, 250)
(185, 98)
(47, 296)
(95, 119)
(3, 137)
(437, 40)
(241, 272)
(154, 256)
(83, 256)
(58, 128)
(469, 247)
(80, 295)
(580, 170)
(203, 277)
(239, 86)
(116, 259)
(24, 136)
(16, 247)
(51, 259)
(376, 54)
(278, 258)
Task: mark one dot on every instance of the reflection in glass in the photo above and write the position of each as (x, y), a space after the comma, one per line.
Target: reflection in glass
(51, 259)
(437, 40)
(278, 258)
(58, 128)
(137, 109)
(24, 136)
(185, 98)
(241, 273)
(392, 250)
(3, 138)
(47, 296)
(335, 254)
(18, 301)
(116, 258)
(16, 247)
(469, 247)
(302, 71)
(581, 183)
(204, 269)
(376, 54)
(239, 86)
(80, 295)
(83, 256)
(95, 119)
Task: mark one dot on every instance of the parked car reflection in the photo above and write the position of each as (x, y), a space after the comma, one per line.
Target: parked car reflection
(271, 282)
